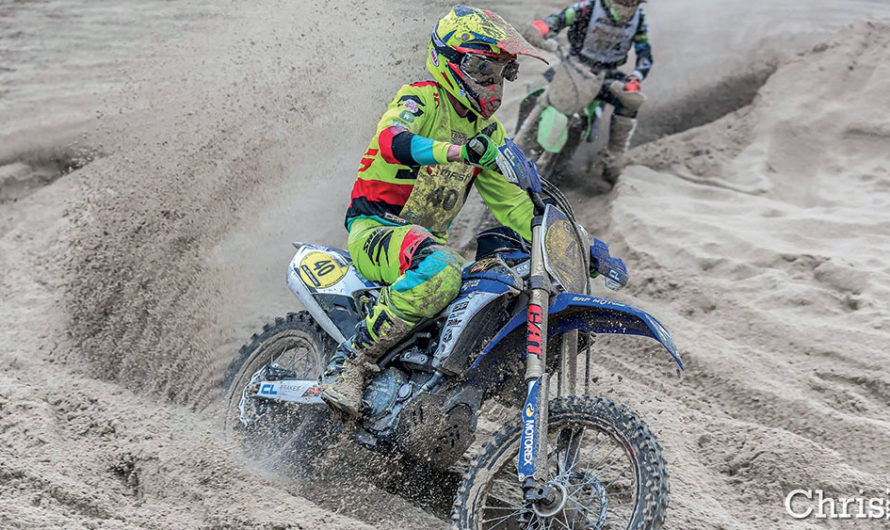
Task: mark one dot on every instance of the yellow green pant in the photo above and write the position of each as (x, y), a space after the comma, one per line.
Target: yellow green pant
(421, 273)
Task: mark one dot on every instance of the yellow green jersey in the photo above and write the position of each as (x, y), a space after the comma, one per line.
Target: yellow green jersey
(405, 178)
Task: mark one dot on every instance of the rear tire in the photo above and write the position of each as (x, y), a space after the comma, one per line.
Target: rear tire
(279, 429)
(496, 462)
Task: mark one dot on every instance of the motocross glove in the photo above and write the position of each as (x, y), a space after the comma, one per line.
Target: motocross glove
(480, 151)
(612, 269)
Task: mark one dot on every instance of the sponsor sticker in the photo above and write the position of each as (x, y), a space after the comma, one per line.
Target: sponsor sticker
(434, 56)
(460, 306)
(411, 105)
(528, 442)
(529, 449)
(535, 319)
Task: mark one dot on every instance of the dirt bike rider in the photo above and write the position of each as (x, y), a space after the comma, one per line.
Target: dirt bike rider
(600, 34)
(435, 140)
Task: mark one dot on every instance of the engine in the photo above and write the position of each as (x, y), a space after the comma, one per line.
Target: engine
(419, 413)
(419, 404)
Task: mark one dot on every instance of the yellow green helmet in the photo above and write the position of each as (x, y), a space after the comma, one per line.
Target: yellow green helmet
(471, 52)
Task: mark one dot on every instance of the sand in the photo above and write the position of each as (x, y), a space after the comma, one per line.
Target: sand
(157, 159)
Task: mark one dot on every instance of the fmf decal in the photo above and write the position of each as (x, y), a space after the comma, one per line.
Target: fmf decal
(535, 318)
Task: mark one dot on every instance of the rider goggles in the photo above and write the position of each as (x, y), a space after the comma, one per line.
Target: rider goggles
(487, 70)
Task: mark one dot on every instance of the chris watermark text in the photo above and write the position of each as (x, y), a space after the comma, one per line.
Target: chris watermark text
(802, 504)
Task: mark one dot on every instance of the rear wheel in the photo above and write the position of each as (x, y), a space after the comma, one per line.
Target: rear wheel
(605, 467)
(266, 428)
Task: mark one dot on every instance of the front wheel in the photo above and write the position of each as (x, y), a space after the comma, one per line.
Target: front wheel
(605, 468)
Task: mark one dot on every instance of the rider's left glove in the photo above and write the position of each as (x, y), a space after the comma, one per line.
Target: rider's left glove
(612, 269)
(480, 151)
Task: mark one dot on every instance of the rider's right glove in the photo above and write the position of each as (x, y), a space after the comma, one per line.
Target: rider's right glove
(480, 151)
(612, 269)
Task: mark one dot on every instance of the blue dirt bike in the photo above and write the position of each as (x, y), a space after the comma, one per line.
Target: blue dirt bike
(523, 314)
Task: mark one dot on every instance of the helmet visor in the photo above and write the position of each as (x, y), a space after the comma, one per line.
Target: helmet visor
(487, 70)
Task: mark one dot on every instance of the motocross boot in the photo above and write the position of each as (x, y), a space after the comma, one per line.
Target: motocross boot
(345, 377)
(621, 128)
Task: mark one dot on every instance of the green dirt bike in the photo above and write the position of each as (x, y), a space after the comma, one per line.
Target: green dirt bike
(565, 109)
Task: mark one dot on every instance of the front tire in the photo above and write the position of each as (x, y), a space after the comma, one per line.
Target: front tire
(490, 496)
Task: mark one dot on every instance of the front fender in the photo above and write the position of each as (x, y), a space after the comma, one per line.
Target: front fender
(553, 130)
(600, 315)
(570, 311)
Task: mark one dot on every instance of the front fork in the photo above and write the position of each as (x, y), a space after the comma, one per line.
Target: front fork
(532, 468)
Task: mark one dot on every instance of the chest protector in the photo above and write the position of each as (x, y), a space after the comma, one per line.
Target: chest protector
(440, 190)
(606, 42)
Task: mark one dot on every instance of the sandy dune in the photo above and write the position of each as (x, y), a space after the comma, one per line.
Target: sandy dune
(157, 159)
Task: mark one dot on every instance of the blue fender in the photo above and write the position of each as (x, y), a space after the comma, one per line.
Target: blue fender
(570, 311)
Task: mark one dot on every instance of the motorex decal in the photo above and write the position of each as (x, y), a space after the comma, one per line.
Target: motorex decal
(528, 444)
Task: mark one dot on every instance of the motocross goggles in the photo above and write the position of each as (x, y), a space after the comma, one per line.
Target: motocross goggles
(488, 70)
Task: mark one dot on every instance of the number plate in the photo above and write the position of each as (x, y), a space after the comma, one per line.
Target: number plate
(563, 256)
(320, 270)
